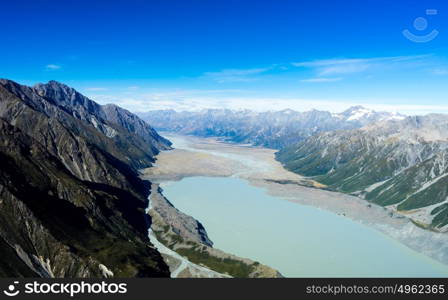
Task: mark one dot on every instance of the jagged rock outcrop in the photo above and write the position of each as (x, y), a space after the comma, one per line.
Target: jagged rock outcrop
(134, 124)
(181, 223)
(71, 199)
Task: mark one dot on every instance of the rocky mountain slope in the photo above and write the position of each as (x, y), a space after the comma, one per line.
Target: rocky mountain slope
(274, 129)
(402, 164)
(71, 200)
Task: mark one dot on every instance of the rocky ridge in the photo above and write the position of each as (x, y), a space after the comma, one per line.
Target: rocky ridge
(401, 164)
(72, 203)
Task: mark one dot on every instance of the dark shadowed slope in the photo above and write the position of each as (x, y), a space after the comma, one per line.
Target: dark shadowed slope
(72, 203)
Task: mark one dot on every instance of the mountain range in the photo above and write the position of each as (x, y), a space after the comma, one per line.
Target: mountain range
(402, 164)
(396, 161)
(273, 129)
(73, 201)
(71, 198)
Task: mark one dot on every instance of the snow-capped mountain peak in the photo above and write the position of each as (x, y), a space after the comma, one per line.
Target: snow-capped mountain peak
(359, 112)
(365, 115)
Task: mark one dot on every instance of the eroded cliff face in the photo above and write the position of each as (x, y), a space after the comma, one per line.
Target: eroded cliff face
(71, 201)
(179, 222)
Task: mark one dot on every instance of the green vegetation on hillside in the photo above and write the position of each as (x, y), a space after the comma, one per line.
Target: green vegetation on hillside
(385, 171)
(199, 254)
(235, 268)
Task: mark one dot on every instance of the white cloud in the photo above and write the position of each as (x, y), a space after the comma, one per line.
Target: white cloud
(52, 67)
(187, 101)
(327, 67)
(344, 69)
(440, 71)
(95, 89)
(330, 62)
(322, 79)
(235, 75)
(326, 70)
(329, 70)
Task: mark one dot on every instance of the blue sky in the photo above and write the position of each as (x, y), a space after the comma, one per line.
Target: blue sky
(191, 54)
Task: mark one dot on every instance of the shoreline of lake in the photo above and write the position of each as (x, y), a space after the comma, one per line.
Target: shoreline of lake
(211, 158)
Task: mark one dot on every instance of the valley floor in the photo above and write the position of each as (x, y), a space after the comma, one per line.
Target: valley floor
(209, 157)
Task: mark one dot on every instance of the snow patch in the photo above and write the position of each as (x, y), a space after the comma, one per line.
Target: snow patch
(360, 113)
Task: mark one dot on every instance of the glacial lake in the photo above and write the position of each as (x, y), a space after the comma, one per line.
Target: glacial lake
(297, 240)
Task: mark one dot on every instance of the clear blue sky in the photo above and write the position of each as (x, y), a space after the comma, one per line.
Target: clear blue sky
(262, 54)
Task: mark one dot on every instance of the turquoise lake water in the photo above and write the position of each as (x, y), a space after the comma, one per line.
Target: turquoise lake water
(297, 240)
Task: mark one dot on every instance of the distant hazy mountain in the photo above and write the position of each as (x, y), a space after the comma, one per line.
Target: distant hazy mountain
(271, 129)
(71, 200)
(400, 163)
